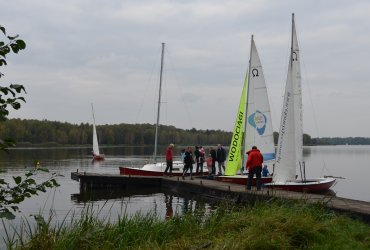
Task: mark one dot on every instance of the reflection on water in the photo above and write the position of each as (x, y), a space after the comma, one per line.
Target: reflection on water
(169, 209)
(163, 203)
(106, 194)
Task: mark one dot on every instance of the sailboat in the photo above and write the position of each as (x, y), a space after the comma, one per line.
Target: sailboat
(253, 124)
(289, 157)
(156, 168)
(95, 152)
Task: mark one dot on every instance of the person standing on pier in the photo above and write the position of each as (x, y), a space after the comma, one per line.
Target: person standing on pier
(197, 155)
(169, 160)
(212, 152)
(202, 153)
(221, 157)
(189, 161)
(254, 166)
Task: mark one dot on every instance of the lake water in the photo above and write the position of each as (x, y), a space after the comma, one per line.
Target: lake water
(66, 201)
(349, 162)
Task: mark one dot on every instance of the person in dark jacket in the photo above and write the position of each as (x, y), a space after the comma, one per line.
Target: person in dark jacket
(221, 158)
(188, 161)
(197, 155)
(212, 152)
(169, 160)
(254, 166)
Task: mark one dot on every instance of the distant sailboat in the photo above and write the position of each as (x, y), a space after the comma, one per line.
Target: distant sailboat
(253, 125)
(95, 151)
(289, 156)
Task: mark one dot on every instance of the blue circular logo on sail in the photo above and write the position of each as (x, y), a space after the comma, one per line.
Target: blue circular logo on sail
(258, 120)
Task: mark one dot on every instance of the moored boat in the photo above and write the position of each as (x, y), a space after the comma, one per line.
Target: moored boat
(242, 179)
(289, 156)
(253, 125)
(95, 151)
(156, 169)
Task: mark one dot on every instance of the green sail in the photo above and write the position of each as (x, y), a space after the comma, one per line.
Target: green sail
(234, 159)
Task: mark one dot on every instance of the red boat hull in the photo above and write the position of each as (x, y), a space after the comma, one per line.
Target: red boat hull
(310, 186)
(242, 179)
(98, 157)
(140, 172)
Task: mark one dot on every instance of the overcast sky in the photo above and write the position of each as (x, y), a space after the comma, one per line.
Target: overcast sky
(108, 52)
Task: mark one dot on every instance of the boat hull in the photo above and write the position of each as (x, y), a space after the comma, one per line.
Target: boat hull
(98, 157)
(158, 170)
(241, 179)
(319, 185)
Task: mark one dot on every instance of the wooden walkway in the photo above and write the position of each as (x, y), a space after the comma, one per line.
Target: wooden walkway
(218, 190)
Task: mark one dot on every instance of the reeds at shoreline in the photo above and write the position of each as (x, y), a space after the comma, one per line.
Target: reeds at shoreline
(264, 225)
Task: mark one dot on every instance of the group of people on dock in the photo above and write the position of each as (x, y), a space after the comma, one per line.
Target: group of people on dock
(253, 165)
(199, 157)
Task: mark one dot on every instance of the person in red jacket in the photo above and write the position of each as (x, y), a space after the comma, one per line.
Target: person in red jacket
(169, 160)
(254, 166)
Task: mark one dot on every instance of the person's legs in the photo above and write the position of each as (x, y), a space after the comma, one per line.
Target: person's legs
(258, 177)
(185, 170)
(171, 166)
(219, 167)
(250, 178)
(198, 166)
(167, 168)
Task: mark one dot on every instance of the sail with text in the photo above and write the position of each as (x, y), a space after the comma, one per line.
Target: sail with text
(234, 158)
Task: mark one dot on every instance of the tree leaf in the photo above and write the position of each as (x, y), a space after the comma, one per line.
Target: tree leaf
(14, 48)
(17, 179)
(13, 37)
(16, 105)
(18, 88)
(3, 29)
(7, 215)
(21, 44)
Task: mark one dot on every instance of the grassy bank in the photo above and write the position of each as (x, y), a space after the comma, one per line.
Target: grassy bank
(272, 225)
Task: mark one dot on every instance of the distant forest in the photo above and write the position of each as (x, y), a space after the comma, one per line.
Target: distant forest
(36, 132)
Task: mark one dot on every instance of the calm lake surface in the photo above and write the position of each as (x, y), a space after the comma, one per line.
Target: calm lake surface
(349, 162)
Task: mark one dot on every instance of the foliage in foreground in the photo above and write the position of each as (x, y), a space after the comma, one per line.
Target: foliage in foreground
(275, 225)
(24, 186)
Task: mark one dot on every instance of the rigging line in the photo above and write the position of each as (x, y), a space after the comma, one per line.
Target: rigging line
(308, 87)
(146, 88)
(180, 87)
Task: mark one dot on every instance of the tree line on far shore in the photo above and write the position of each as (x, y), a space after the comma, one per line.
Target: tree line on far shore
(36, 132)
(31, 132)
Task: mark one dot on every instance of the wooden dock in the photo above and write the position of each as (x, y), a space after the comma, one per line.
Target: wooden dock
(218, 190)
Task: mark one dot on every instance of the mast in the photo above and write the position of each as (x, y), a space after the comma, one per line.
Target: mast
(291, 42)
(243, 151)
(159, 105)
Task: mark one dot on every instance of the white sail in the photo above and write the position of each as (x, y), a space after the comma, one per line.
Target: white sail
(95, 136)
(258, 116)
(290, 147)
